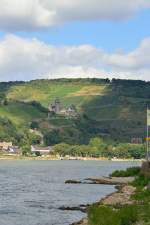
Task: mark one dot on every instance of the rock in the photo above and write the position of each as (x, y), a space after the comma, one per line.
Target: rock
(72, 182)
(103, 180)
(122, 197)
(111, 180)
(82, 222)
(82, 208)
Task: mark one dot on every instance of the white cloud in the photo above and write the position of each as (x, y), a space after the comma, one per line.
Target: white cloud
(37, 14)
(25, 59)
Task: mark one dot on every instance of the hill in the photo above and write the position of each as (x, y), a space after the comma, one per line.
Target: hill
(115, 110)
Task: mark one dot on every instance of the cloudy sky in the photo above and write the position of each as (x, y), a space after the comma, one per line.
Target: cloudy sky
(74, 38)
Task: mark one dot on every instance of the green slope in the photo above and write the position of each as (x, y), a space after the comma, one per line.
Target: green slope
(20, 114)
(45, 91)
(114, 109)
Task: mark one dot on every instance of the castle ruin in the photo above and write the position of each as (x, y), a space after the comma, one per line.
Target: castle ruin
(57, 108)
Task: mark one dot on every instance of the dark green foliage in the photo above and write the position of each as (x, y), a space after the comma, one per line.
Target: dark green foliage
(129, 172)
(142, 196)
(26, 150)
(39, 106)
(52, 137)
(38, 154)
(34, 125)
(8, 131)
(141, 181)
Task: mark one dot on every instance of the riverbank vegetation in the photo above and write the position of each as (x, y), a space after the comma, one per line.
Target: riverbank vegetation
(136, 213)
(97, 147)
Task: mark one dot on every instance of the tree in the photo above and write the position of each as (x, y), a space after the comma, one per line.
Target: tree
(26, 150)
(62, 149)
(52, 137)
(98, 143)
(34, 125)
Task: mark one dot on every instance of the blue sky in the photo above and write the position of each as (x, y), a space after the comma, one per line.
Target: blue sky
(110, 36)
(110, 40)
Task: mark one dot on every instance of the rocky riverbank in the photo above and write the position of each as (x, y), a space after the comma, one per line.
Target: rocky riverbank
(103, 180)
(121, 196)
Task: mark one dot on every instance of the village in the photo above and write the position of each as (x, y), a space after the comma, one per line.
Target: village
(54, 108)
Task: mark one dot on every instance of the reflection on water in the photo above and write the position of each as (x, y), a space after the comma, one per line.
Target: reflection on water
(32, 191)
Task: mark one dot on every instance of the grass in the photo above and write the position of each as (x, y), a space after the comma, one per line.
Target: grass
(138, 213)
(20, 113)
(46, 92)
(104, 215)
(129, 172)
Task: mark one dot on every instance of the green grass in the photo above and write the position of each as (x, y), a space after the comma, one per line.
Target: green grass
(135, 214)
(20, 113)
(46, 92)
(105, 215)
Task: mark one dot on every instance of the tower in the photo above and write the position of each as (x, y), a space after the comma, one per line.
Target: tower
(57, 106)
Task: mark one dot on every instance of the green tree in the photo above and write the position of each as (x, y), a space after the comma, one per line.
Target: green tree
(61, 149)
(26, 150)
(34, 125)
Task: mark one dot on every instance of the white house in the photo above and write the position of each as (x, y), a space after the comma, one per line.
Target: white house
(41, 150)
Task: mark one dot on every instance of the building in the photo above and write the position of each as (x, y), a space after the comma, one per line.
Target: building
(5, 145)
(14, 150)
(71, 111)
(55, 107)
(136, 140)
(41, 150)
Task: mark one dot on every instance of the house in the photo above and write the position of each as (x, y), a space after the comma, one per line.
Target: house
(71, 111)
(14, 150)
(5, 145)
(41, 150)
(136, 140)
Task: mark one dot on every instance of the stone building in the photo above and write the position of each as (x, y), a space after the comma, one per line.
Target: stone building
(58, 108)
(55, 107)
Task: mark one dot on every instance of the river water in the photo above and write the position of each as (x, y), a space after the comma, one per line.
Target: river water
(32, 191)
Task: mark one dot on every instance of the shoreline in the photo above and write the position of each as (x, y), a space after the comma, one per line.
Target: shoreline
(120, 196)
(51, 158)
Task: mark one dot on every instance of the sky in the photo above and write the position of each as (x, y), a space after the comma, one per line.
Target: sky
(48, 39)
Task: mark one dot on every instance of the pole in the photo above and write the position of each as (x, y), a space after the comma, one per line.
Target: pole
(147, 141)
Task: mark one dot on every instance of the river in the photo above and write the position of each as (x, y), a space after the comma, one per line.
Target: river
(32, 191)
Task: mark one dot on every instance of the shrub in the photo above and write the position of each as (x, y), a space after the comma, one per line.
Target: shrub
(129, 172)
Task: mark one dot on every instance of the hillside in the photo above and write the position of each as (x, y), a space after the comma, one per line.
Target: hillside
(115, 110)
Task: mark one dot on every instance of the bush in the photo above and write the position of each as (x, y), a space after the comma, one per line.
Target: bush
(129, 172)
(34, 125)
(141, 181)
(37, 154)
